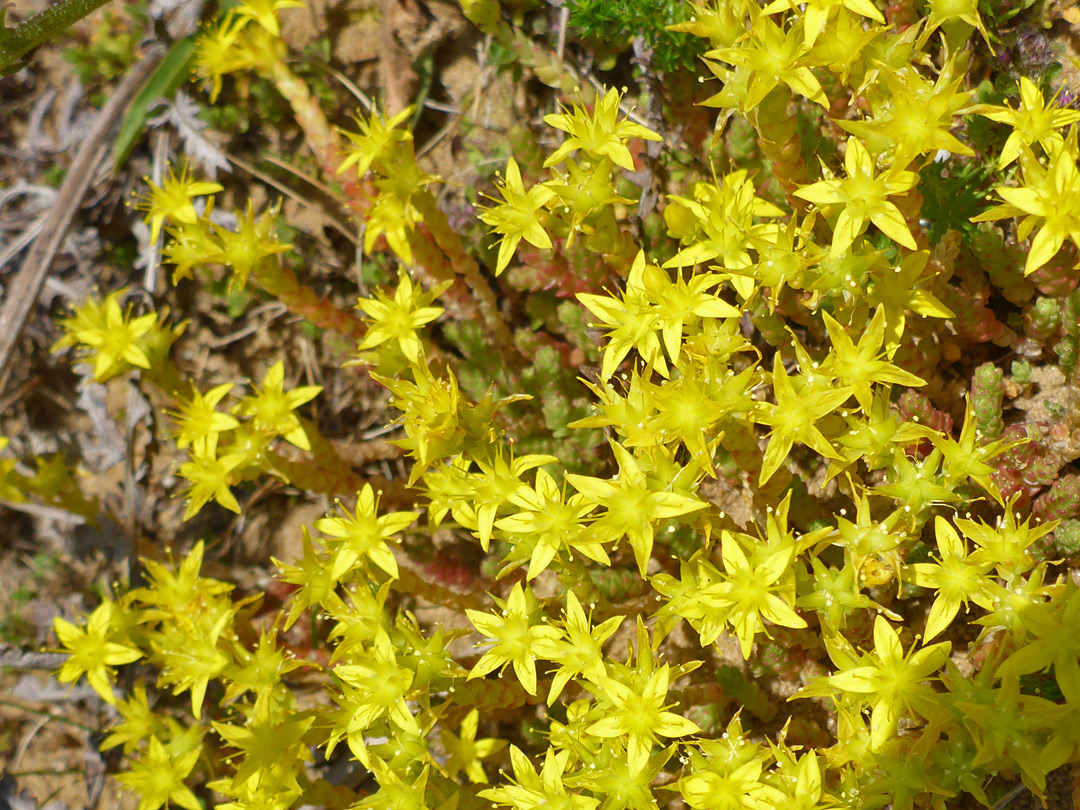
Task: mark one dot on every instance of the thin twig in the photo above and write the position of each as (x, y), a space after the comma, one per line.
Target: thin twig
(14, 658)
(278, 309)
(1009, 797)
(28, 738)
(349, 85)
(157, 172)
(337, 225)
(52, 715)
(22, 240)
(44, 511)
(564, 19)
(44, 772)
(26, 286)
(454, 122)
(307, 178)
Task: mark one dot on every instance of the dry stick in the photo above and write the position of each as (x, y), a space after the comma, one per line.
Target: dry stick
(26, 286)
(335, 223)
(311, 181)
(15, 247)
(161, 157)
(18, 658)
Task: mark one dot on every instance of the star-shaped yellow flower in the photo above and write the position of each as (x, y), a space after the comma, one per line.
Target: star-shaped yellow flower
(173, 199)
(91, 651)
(601, 134)
(516, 218)
(863, 196)
(1033, 121)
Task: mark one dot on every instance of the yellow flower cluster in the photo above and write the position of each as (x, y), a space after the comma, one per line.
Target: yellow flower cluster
(837, 273)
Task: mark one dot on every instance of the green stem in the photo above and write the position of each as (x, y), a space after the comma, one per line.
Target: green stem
(27, 35)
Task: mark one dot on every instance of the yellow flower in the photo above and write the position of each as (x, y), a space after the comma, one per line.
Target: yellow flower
(948, 12)
(580, 649)
(516, 640)
(91, 651)
(858, 367)
(217, 53)
(1055, 642)
(466, 751)
(533, 791)
(272, 407)
(863, 196)
(634, 322)
(955, 577)
(268, 745)
(12, 485)
(817, 14)
(399, 318)
(157, 778)
(601, 134)
(264, 12)
(761, 586)
(641, 715)
(394, 218)
(893, 682)
(364, 534)
(377, 134)
(198, 417)
(1034, 121)
(252, 241)
(769, 56)
(1049, 193)
(111, 332)
(795, 417)
(378, 687)
(634, 504)
(173, 200)
(516, 217)
(210, 478)
(548, 523)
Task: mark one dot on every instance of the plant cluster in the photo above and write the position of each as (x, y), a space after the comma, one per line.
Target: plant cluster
(765, 553)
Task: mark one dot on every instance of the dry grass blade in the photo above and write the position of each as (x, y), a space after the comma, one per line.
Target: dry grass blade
(27, 284)
(16, 658)
(333, 221)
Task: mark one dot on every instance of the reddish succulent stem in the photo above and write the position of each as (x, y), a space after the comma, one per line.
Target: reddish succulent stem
(910, 207)
(320, 136)
(489, 695)
(442, 235)
(410, 582)
(778, 136)
(282, 283)
(437, 247)
(310, 475)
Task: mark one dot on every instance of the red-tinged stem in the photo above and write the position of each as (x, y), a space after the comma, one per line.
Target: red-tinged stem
(409, 581)
(434, 267)
(440, 232)
(488, 695)
(320, 136)
(282, 283)
(900, 14)
(778, 136)
(437, 247)
(309, 475)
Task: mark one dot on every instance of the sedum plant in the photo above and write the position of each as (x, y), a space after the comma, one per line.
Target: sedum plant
(760, 555)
